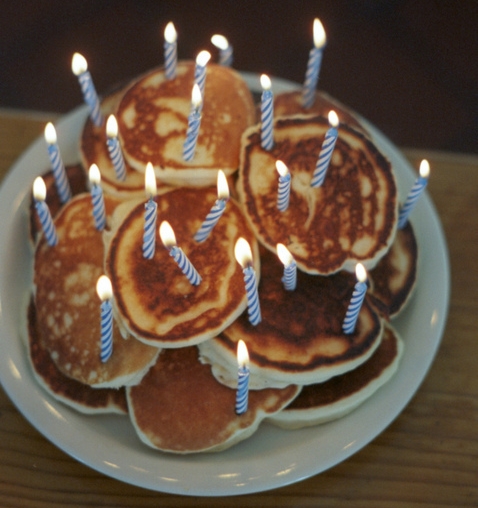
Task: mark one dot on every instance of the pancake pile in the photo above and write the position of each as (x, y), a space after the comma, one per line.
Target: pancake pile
(174, 367)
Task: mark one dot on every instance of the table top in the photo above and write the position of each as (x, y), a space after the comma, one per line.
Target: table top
(426, 457)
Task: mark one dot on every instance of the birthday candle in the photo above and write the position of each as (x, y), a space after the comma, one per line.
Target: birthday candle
(356, 301)
(150, 214)
(194, 122)
(242, 394)
(313, 66)
(57, 166)
(217, 209)
(97, 198)
(105, 292)
(200, 70)
(170, 51)
(267, 113)
(114, 148)
(242, 251)
(289, 278)
(225, 49)
(79, 67)
(326, 151)
(39, 194)
(415, 192)
(283, 192)
(169, 240)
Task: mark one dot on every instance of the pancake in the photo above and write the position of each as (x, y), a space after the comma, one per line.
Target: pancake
(290, 103)
(154, 300)
(300, 339)
(351, 218)
(94, 150)
(179, 407)
(77, 180)
(77, 395)
(324, 402)
(393, 279)
(153, 119)
(68, 308)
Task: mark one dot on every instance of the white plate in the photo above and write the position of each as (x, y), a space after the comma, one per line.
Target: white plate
(272, 457)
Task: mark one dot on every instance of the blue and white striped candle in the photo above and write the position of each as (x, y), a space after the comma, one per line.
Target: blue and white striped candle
(243, 254)
(225, 50)
(415, 192)
(114, 148)
(79, 67)
(217, 209)
(194, 123)
(170, 51)
(289, 279)
(105, 292)
(200, 71)
(44, 215)
(313, 65)
(360, 289)
(326, 152)
(97, 198)
(150, 213)
(283, 192)
(267, 113)
(57, 166)
(242, 393)
(169, 240)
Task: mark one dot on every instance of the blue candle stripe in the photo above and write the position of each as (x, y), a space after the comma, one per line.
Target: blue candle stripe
(226, 56)
(116, 156)
(185, 265)
(267, 117)
(200, 78)
(411, 201)
(91, 97)
(289, 278)
(355, 305)
(211, 220)
(192, 133)
(99, 214)
(170, 59)
(59, 173)
(311, 77)
(283, 193)
(46, 221)
(324, 158)
(149, 232)
(253, 305)
(242, 394)
(106, 344)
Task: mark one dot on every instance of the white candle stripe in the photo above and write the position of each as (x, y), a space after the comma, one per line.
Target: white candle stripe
(91, 97)
(149, 232)
(254, 309)
(242, 394)
(411, 201)
(226, 57)
(311, 77)
(46, 221)
(289, 278)
(98, 202)
(211, 220)
(106, 344)
(200, 78)
(283, 193)
(192, 133)
(59, 173)
(116, 157)
(185, 265)
(355, 305)
(170, 59)
(324, 158)
(267, 117)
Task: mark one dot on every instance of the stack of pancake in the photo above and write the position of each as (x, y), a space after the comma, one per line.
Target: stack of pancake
(174, 369)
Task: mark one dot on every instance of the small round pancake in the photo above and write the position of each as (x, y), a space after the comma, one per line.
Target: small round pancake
(352, 217)
(154, 300)
(153, 119)
(300, 339)
(324, 402)
(393, 279)
(179, 407)
(68, 308)
(79, 396)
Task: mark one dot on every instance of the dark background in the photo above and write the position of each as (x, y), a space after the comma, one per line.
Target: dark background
(409, 66)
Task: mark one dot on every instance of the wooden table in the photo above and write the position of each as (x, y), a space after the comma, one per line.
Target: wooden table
(428, 457)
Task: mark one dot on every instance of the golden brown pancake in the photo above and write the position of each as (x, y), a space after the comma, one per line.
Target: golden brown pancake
(68, 308)
(179, 407)
(154, 300)
(352, 217)
(153, 119)
(290, 103)
(94, 150)
(300, 339)
(393, 279)
(81, 397)
(323, 402)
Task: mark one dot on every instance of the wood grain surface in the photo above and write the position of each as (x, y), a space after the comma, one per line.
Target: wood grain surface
(428, 457)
